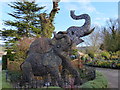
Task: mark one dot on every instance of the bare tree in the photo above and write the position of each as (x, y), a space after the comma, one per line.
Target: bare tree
(93, 41)
(111, 36)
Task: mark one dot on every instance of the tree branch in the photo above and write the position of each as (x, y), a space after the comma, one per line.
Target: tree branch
(54, 10)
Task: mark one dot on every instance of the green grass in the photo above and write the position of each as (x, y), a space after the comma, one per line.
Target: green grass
(3, 82)
(0, 80)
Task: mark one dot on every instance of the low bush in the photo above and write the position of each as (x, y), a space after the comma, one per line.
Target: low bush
(4, 62)
(14, 76)
(5, 58)
(105, 63)
(14, 65)
(99, 82)
(87, 73)
(91, 54)
(105, 54)
(21, 48)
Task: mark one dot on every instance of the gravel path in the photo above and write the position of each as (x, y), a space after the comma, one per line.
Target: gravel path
(112, 75)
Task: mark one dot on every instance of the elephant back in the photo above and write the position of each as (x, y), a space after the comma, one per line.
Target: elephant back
(40, 45)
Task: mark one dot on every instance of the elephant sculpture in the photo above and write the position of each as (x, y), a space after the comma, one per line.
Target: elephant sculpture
(46, 55)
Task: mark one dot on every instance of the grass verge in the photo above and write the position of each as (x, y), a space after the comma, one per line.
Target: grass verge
(3, 82)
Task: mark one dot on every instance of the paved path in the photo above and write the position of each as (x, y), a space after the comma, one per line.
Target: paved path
(112, 75)
(0, 67)
(0, 63)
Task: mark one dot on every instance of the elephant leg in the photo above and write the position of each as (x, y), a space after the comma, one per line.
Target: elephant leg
(74, 72)
(54, 72)
(27, 72)
(64, 75)
(67, 64)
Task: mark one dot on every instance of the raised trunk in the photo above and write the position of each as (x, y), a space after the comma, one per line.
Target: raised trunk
(76, 32)
(82, 16)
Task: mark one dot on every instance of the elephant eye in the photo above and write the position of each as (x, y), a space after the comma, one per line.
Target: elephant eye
(69, 44)
(58, 46)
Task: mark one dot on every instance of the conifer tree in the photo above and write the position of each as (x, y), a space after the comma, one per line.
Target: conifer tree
(29, 21)
(111, 36)
(26, 22)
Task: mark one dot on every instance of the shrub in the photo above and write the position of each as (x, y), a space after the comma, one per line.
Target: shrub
(4, 62)
(99, 82)
(5, 58)
(105, 54)
(14, 76)
(87, 73)
(21, 48)
(118, 65)
(118, 54)
(91, 54)
(14, 65)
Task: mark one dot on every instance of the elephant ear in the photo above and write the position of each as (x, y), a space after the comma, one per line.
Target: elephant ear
(41, 45)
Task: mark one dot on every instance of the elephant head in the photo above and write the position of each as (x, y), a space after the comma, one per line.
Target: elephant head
(62, 42)
(75, 32)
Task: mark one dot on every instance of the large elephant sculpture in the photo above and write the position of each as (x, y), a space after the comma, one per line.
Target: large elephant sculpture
(46, 55)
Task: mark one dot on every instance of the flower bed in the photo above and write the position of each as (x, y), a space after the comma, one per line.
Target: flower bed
(104, 63)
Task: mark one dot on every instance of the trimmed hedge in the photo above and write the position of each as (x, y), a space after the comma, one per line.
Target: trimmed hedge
(99, 82)
(4, 60)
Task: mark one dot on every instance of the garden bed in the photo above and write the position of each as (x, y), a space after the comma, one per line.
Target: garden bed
(101, 66)
(112, 64)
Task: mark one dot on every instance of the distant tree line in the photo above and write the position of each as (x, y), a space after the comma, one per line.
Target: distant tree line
(106, 38)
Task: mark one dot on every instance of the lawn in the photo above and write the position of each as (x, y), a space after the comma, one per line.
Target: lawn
(3, 83)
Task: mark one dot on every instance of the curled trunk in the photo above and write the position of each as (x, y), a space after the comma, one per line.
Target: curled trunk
(76, 32)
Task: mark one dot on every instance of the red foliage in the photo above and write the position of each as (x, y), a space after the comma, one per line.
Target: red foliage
(77, 63)
(24, 43)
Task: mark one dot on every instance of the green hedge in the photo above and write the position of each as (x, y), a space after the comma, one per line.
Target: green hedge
(99, 82)
(4, 60)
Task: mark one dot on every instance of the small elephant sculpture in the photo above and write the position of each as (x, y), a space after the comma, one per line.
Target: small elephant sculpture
(46, 55)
